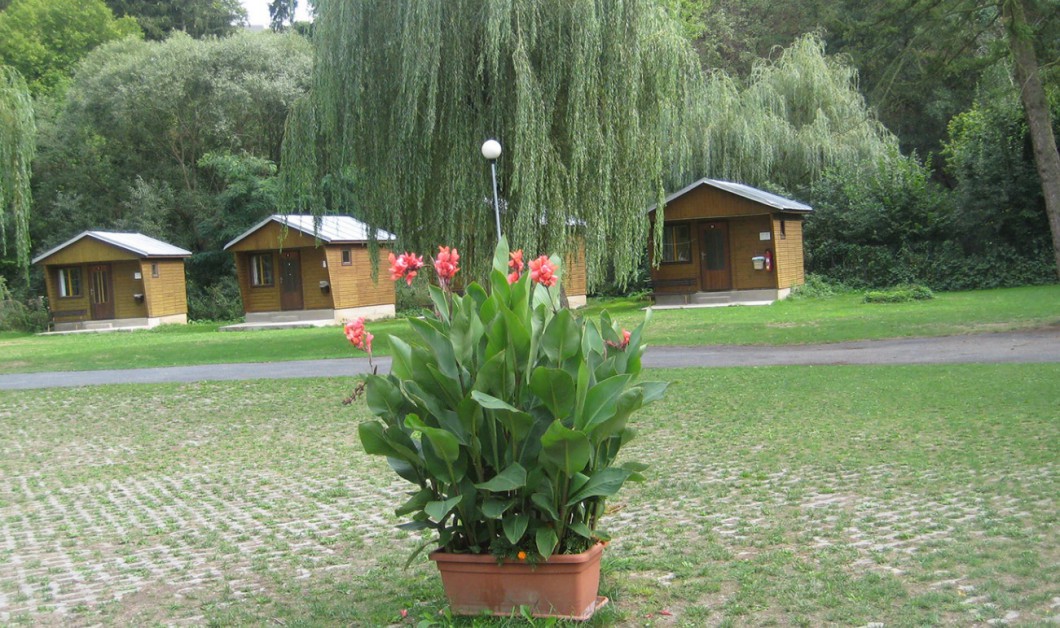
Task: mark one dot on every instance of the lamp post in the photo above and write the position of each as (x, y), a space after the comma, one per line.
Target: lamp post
(491, 150)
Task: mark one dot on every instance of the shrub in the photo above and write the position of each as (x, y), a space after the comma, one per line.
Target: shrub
(217, 301)
(900, 294)
(28, 315)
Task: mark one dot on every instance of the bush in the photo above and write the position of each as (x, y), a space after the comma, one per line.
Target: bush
(817, 287)
(27, 315)
(900, 294)
(217, 301)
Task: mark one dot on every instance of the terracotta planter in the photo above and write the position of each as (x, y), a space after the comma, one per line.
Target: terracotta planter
(564, 586)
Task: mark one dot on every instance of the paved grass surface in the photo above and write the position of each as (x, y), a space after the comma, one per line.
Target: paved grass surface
(791, 495)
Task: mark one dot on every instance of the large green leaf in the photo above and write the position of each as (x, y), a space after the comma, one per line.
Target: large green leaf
(603, 483)
(441, 305)
(600, 402)
(555, 387)
(445, 444)
(514, 420)
(402, 365)
(496, 377)
(440, 345)
(439, 510)
(546, 541)
(653, 390)
(561, 339)
(515, 526)
(384, 398)
(565, 449)
(493, 508)
(416, 503)
(512, 478)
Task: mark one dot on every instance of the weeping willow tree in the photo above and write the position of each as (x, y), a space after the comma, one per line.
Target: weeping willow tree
(589, 98)
(17, 146)
(796, 116)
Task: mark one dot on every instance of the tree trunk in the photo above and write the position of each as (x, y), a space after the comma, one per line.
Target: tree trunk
(1032, 95)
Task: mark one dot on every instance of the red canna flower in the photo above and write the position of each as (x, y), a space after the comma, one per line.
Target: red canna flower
(445, 264)
(522, 555)
(359, 336)
(404, 265)
(541, 271)
(516, 264)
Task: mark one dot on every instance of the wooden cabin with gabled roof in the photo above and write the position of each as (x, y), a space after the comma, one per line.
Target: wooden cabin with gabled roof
(301, 269)
(728, 243)
(103, 280)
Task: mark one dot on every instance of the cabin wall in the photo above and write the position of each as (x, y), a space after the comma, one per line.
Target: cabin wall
(315, 269)
(574, 272)
(744, 243)
(789, 251)
(167, 294)
(352, 285)
(272, 236)
(258, 298)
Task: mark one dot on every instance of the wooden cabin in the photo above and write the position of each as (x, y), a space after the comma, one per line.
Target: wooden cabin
(295, 268)
(105, 280)
(575, 281)
(726, 242)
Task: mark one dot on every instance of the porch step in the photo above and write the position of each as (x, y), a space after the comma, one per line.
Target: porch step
(289, 316)
(716, 299)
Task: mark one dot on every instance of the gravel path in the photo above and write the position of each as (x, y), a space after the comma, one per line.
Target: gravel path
(1034, 346)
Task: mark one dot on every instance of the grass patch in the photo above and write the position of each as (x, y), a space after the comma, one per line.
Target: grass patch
(837, 318)
(905, 495)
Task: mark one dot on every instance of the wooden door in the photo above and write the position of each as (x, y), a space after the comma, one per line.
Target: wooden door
(291, 281)
(714, 272)
(101, 291)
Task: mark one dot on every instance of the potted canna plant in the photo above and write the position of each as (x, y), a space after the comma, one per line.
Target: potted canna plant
(507, 414)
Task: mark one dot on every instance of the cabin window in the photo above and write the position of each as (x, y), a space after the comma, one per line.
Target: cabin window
(70, 281)
(261, 270)
(677, 243)
(347, 257)
(154, 269)
(783, 229)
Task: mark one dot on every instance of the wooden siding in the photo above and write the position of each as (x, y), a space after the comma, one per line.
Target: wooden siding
(708, 202)
(352, 285)
(314, 270)
(271, 236)
(745, 243)
(87, 250)
(123, 276)
(166, 294)
(67, 309)
(258, 298)
(574, 275)
(788, 252)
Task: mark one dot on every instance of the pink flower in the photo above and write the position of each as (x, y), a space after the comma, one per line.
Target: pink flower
(404, 613)
(359, 336)
(541, 271)
(445, 264)
(623, 344)
(516, 264)
(404, 265)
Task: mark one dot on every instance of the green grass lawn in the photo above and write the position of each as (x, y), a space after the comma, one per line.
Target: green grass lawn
(833, 319)
(904, 495)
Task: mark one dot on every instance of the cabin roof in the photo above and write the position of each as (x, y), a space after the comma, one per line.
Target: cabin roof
(137, 243)
(752, 194)
(329, 229)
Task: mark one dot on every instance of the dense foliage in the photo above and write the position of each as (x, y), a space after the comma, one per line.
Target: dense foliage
(44, 39)
(18, 132)
(590, 101)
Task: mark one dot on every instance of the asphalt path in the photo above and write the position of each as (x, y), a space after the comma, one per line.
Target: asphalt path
(1034, 346)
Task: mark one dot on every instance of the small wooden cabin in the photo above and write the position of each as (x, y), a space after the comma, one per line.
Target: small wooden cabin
(106, 280)
(728, 242)
(297, 268)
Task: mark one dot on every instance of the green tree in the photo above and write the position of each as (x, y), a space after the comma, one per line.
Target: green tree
(589, 100)
(17, 147)
(793, 117)
(281, 14)
(141, 116)
(198, 18)
(43, 39)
